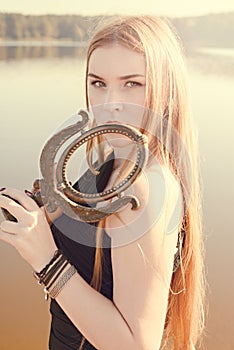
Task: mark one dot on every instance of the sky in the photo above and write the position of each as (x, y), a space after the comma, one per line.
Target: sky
(171, 8)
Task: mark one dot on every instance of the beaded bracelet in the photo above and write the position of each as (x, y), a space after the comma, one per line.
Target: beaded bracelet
(54, 292)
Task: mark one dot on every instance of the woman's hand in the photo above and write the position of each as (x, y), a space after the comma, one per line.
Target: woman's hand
(31, 235)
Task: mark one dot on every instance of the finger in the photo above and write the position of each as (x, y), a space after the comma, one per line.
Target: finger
(28, 203)
(11, 227)
(7, 237)
(11, 206)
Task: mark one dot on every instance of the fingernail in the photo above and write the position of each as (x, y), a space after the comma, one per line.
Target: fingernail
(2, 189)
(28, 192)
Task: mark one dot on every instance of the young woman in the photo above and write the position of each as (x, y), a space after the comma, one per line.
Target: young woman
(144, 288)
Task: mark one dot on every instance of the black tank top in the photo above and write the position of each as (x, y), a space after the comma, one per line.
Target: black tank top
(63, 334)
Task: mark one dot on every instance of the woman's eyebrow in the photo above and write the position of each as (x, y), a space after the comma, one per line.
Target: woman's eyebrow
(130, 76)
(94, 76)
(124, 77)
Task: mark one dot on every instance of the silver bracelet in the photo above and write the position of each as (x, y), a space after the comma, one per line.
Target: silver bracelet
(62, 281)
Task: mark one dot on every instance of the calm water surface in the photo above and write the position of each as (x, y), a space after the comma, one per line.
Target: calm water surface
(40, 88)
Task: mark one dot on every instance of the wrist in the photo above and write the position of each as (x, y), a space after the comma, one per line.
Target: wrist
(44, 259)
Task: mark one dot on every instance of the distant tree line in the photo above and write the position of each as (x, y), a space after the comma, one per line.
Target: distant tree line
(46, 27)
(210, 30)
(215, 30)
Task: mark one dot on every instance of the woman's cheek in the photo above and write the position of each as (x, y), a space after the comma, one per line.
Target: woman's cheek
(96, 96)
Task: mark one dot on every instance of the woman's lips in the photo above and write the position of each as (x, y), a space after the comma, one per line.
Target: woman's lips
(114, 122)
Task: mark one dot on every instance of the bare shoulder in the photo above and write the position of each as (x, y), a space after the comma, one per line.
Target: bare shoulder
(160, 200)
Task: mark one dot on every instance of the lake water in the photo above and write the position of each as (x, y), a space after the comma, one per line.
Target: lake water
(40, 87)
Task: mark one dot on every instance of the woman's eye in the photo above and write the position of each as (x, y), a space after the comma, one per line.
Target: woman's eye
(132, 84)
(98, 83)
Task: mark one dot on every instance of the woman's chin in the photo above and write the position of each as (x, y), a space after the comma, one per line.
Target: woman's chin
(118, 142)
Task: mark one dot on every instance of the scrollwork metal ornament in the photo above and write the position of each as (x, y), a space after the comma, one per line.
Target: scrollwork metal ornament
(54, 190)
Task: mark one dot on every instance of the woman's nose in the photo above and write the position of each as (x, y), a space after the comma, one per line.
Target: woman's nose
(113, 106)
(113, 101)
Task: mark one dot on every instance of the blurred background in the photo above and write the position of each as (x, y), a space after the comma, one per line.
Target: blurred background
(42, 53)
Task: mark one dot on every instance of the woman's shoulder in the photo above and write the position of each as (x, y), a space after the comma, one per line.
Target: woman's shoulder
(158, 173)
(162, 180)
(158, 182)
(160, 200)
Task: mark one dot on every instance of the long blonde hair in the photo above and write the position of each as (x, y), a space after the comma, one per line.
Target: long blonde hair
(175, 145)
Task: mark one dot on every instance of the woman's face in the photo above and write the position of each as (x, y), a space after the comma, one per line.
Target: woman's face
(116, 85)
